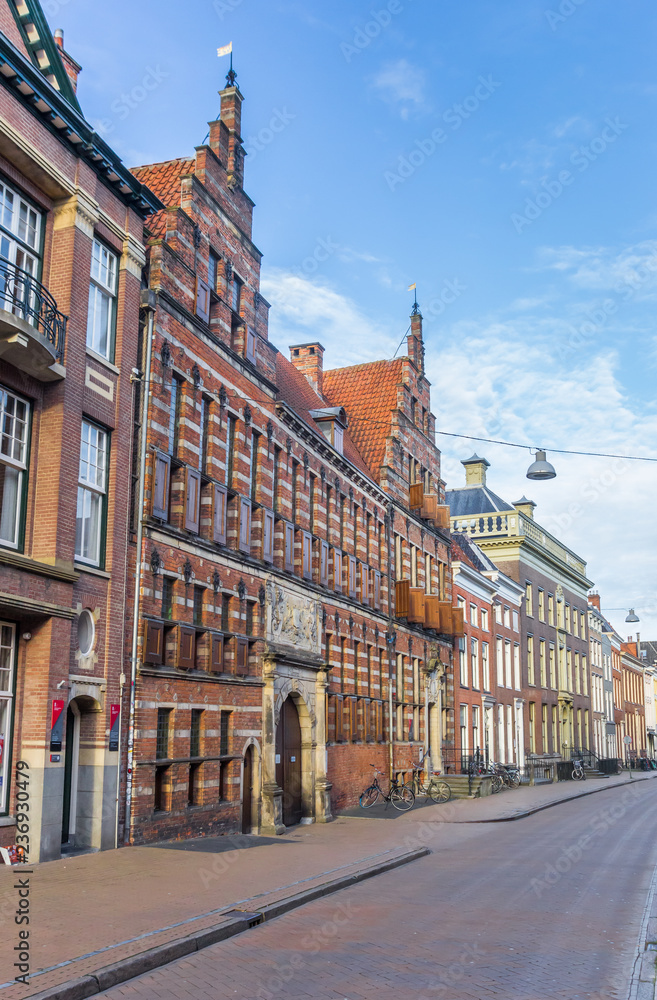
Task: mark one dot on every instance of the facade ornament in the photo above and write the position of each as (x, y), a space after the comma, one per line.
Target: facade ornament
(408, 526)
(196, 375)
(391, 513)
(270, 434)
(197, 235)
(376, 635)
(223, 399)
(422, 537)
(337, 488)
(256, 300)
(241, 589)
(228, 271)
(351, 625)
(323, 618)
(351, 495)
(262, 595)
(188, 572)
(337, 621)
(306, 462)
(288, 449)
(248, 415)
(165, 354)
(156, 562)
(216, 581)
(364, 630)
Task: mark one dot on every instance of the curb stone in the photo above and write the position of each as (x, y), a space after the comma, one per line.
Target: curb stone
(154, 958)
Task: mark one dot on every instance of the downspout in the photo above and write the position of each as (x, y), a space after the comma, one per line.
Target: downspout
(390, 638)
(148, 301)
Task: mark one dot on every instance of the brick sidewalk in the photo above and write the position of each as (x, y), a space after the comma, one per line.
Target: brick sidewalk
(91, 910)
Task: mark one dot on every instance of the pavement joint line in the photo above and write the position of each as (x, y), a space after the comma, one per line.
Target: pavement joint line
(201, 916)
(154, 958)
(548, 805)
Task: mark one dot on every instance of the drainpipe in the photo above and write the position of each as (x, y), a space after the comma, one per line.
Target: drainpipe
(390, 637)
(148, 301)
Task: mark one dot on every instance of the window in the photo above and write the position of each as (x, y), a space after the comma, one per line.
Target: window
(295, 485)
(529, 602)
(163, 734)
(213, 271)
(312, 503)
(413, 566)
(463, 722)
(14, 430)
(20, 242)
(224, 733)
(463, 663)
(101, 314)
(255, 461)
(92, 489)
(204, 437)
(498, 614)
(568, 618)
(508, 679)
(230, 450)
(474, 662)
(174, 413)
(484, 620)
(552, 680)
(236, 295)
(475, 728)
(198, 607)
(550, 609)
(532, 727)
(531, 679)
(473, 615)
(167, 597)
(541, 605)
(195, 733)
(7, 647)
(225, 612)
(428, 573)
(575, 622)
(516, 621)
(516, 666)
(277, 479)
(485, 666)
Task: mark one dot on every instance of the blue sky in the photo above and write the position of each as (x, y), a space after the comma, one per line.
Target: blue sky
(503, 156)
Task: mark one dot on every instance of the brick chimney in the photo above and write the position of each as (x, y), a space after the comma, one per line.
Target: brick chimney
(309, 360)
(594, 600)
(475, 470)
(72, 68)
(415, 342)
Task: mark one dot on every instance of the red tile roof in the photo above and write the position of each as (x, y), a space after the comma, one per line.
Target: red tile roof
(295, 389)
(369, 394)
(163, 179)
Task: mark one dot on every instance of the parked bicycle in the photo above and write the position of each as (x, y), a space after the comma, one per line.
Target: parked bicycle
(434, 787)
(401, 796)
(578, 771)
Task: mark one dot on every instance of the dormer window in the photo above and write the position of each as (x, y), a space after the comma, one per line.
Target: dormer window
(332, 422)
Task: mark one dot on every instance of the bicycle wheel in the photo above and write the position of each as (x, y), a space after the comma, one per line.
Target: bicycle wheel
(514, 779)
(578, 775)
(369, 797)
(402, 798)
(440, 791)
(497, 784)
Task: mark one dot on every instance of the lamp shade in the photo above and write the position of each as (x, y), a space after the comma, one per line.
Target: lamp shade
(540, 468)
(631, 617)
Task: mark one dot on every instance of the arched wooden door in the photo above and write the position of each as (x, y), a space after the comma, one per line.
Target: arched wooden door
(247, 791)
(288, 761)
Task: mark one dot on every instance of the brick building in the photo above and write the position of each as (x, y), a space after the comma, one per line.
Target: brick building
(71, 257)
(485, 717)
(555, 673)
(291, 556)
(633, 701)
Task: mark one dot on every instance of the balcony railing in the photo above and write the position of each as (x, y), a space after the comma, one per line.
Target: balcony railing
(27, 299)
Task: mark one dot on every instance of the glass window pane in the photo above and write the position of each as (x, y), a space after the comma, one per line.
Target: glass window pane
(87, 526)
(5, 721)
(10, 497)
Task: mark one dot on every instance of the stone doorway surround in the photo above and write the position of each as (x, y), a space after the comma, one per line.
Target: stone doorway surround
(292, 666)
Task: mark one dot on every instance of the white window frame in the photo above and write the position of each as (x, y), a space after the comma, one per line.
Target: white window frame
(7, 681)
(14, 452)
(485, 667)
(103, 284)
(92, 491)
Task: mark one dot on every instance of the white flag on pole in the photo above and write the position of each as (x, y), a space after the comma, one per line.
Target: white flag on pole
(225, 49)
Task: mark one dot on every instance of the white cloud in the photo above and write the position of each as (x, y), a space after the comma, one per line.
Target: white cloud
(632, 270)
(305, 309)
(401, 85)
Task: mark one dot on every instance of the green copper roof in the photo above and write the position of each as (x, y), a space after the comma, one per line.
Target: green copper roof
(42, 47)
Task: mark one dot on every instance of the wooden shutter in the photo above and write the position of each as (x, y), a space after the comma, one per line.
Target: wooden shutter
(242, 662)
(458, 623)
(416, 493)
(289, 547)
(217, 653)
(161, 481)
(337, 570)
(202, 300)
(416, 605)
(307, 553)
(245, 525)
(186, 647)
(192, 499)
(323, 563)
(153, 642)
(432, 611)
(250, 345)
(442, 516)
(430, 506)
(402, 598)
(376, 590)
(219, 497)
(268, 536)
(364, 596)
(352, 576)
(445, 608)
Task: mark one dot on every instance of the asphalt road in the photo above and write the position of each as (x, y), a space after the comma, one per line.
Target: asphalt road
(542, 908)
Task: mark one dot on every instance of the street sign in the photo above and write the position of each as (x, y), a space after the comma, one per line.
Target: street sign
(627, 740)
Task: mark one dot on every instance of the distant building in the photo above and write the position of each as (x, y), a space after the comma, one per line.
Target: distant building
(553, 620)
